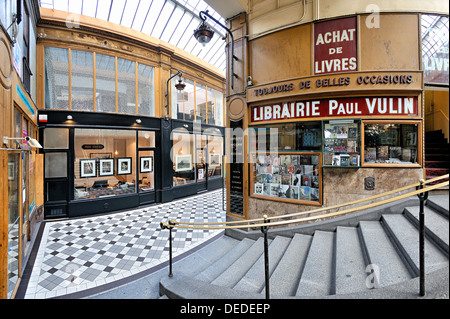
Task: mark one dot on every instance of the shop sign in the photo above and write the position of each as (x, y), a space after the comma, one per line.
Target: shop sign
(93, 146)
(335, 46)
(344, 107)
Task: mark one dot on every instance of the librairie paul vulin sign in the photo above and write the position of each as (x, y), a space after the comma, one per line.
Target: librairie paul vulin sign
(343, 107)
(335, 46)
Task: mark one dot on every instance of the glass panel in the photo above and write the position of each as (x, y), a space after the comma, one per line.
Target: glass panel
(13, 222)
(56, 138)
(201, 157)
(56, 78)
(288, 176)
(200, 96)
(146, 171)
(183, 158)
(146, 139)
(126, 86)
(302, 136)
(188, 100)
(146, 90)
(55, 165)
(391, 143)
(341, 144)
(105, 172)
(105, 83)
(215, 153)
(82, 80)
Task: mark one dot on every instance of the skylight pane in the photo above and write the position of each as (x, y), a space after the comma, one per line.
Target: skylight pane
(117, 9)
(163, 18)
(153, 16)
(103, 9)
(187, 33)
(172, 24)
(60, 5)
(75, 6)
(180, 29)
(141, 14)
(89, 8)
(129, 13)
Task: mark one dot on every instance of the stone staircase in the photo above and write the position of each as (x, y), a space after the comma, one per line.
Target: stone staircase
(375, 253)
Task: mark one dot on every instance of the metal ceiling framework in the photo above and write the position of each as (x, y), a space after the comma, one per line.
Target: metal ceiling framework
(435, 35)
(172, 21)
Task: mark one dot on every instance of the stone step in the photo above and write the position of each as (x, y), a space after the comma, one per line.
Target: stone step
(222, 264)
(436, 225)
(387, 267)
(254, 279)
(406, 237)
(231, 276)
(286, 276)
(439, 203)
(317, 274)
(350, 264)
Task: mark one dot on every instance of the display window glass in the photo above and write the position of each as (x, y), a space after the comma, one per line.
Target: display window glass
(146, 139)
(146, 171)
(215, 155)
(392, 144)
(56, 78)
(341, 146)
(301, 136)
(290, 177)
(105, 163)
(82, 75)
(183, 157)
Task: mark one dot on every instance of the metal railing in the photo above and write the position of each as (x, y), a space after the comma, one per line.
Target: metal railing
(266, 222)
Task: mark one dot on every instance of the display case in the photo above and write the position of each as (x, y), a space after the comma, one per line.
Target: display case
(341, 143)
(392, 144)
(291, 177)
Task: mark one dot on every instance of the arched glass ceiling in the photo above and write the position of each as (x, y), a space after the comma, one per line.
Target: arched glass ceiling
(172, 21)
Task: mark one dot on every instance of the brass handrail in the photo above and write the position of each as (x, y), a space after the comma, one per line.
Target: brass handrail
(318, 209)
(291, 221)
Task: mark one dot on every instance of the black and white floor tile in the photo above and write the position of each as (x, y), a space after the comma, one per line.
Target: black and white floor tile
(79, 254)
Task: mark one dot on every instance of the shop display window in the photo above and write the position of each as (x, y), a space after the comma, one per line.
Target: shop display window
(391, 143)
(301, 136)
(341, 146)
(291, 177)
(105, 163)
(215, 154)
(183, 157)
(146, 171)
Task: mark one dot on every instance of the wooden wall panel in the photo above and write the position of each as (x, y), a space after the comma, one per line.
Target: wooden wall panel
(392, 46)
(281, 56)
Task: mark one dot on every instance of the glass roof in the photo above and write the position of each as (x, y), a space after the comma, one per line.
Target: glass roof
(435, 35)
(172, 21)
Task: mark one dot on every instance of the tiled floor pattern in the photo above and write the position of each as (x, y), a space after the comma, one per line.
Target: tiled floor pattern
(79, 254)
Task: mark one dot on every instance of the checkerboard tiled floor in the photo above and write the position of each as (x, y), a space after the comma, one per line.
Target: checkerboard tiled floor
(79, 254)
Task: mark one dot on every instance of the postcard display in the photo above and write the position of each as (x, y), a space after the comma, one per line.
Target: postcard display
(287, 176)
(341, 144)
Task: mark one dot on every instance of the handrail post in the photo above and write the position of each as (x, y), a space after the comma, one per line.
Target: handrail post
(264, 230)
(163, 226)
(422, 197)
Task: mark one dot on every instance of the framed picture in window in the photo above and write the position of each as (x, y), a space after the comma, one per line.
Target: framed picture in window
(214, 159)
(124, 166)
(106, 167)
(88, 168)
(146, 164)
(183, 163)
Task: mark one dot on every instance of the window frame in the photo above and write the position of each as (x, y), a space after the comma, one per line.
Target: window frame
(419, 163)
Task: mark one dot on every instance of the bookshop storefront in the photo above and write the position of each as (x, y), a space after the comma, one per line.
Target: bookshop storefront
(97, 163)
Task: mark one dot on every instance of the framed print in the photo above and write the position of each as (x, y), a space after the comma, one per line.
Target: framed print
(146, 164)
(183, 163)
(124, 166)
(106, 167)
(88, 168)
(214, 159)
